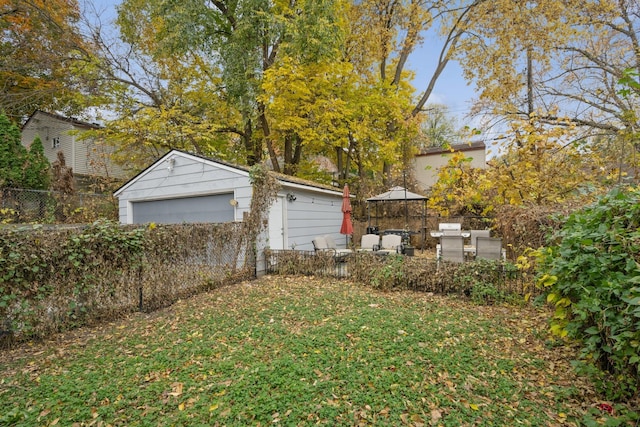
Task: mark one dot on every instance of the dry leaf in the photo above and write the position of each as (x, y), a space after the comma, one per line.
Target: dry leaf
(176, 389)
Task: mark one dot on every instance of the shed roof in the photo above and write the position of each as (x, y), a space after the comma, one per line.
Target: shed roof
(285, 180)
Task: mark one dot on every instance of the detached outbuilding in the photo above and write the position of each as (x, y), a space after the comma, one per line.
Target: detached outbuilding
(185, 188)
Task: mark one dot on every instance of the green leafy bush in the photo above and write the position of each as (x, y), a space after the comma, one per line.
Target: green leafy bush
(484, 293)
(592, 276)
(388, 275)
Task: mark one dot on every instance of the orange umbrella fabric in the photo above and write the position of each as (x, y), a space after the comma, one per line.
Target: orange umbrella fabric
(347, 225)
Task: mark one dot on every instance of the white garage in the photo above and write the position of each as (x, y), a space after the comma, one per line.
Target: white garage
(181, 187)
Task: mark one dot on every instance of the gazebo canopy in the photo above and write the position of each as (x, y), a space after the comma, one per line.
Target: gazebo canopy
(400, 194)
(396, 194)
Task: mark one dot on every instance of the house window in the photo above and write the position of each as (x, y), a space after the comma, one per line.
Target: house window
(55, 142)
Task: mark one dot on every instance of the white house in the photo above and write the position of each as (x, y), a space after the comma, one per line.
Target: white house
(427, 164)
(185, 188)
(59, 133)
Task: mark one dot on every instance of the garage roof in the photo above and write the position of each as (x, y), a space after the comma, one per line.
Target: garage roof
(285, 180)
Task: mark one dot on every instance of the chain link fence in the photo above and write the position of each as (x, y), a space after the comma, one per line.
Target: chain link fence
(62, 276)
(54, 207)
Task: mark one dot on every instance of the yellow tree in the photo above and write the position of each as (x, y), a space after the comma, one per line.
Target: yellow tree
(389, 30)
(329, 110)
(460, 189)
(306, 107)
(551, 69)
(539, 165)
(384, 35)
(558, 59)
(542, 165)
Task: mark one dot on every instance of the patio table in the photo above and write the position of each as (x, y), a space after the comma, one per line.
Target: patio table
(405, 234)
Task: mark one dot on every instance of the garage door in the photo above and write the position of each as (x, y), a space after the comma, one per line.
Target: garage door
(212, 208)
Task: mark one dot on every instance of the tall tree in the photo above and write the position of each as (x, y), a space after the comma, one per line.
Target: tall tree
(12, 154)
(160, 99)
(216, 53)
(385, 33)
(40, 44)
(559, 59)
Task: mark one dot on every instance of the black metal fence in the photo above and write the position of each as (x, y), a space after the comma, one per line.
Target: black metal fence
(395, 271)
(307, 263)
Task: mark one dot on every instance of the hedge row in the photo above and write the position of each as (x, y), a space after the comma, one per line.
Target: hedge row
(52, 280)
(483, 280)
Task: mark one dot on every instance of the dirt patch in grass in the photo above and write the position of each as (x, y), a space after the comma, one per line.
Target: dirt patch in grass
(302, 351)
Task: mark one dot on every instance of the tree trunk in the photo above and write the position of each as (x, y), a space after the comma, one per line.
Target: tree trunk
(247, 139)
(529, 82)
(267, 138)
(292, 153)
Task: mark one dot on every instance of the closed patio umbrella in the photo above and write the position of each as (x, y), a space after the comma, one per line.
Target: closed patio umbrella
(347, 225)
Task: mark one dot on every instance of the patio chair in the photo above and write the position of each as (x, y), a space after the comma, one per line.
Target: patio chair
(369, 243)
(390, 243)
(452, 248)
(320, 245)
(479, 233)
(331, 244)
(489, 248)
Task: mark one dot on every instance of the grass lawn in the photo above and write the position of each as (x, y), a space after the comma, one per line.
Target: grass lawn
(302, 351)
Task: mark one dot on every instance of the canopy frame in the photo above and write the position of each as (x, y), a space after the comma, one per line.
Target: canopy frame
(400, 194)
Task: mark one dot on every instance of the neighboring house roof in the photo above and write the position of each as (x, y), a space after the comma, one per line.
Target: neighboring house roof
(429, 161)
(71, 120)
(325, 164)
(285, 180)
(476, 145)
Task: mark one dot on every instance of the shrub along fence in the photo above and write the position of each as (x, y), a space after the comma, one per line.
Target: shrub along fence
(485, 281)
(52, 280)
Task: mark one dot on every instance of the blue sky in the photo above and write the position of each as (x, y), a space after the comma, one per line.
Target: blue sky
(451, 88)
